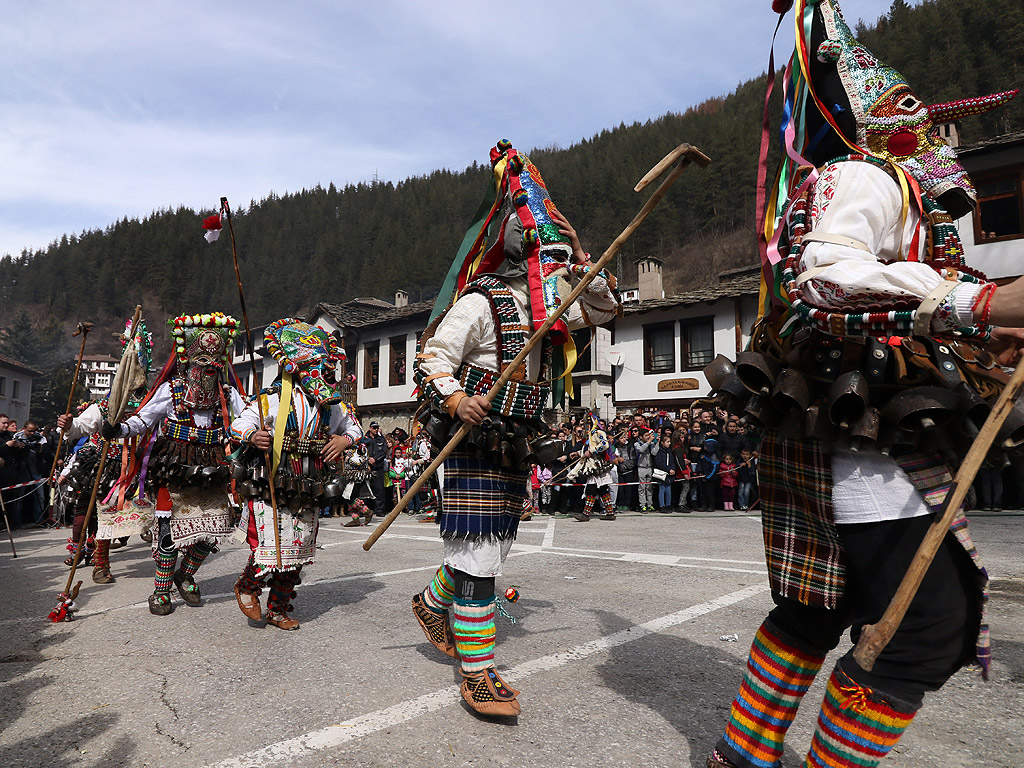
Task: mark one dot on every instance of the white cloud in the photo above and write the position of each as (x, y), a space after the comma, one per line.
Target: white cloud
(122, 108)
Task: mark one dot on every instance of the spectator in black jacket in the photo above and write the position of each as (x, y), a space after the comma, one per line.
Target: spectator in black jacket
(377, 451)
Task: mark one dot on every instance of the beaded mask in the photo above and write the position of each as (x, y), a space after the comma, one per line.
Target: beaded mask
(875, 111)
(201, 344)
(311, 353)
(516, 238)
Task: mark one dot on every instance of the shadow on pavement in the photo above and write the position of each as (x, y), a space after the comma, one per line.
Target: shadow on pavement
(690, 685)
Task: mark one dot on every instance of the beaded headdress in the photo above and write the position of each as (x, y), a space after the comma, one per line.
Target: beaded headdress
(308, 351)
(202, 348)
(514, 235)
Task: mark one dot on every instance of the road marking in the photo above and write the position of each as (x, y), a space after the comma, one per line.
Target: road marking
(649, 560)
(373, 722)
(549, 534)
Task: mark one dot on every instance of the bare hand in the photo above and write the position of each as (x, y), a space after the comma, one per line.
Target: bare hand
(1007, 344)
(261, 439)
(335, 447)
(64, 421)
(473, 409)
(565, 228)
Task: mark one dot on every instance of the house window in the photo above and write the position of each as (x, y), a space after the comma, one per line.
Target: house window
(660, 348)
(1000, 212)
(696, 343)
(397, 376)
(371, 364)
(15, 389)
(584, 346)
(3, 386)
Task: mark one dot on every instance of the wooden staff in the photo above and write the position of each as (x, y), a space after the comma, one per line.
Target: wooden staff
(682, 156)
(252, 361)
(83, 329)
(874, 637)
(112, 418)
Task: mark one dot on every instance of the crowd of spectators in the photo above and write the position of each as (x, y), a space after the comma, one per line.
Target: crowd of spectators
(698, 460)
(26, 453)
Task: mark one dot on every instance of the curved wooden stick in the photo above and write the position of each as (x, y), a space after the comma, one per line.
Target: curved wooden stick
(541, 332)
(874, 637)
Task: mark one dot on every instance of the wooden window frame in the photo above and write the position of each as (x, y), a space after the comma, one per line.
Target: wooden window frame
(684, 346)
(1015, 174)
(369, 362)
(648, 330)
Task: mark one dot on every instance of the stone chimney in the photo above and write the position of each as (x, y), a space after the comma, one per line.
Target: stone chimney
(401, 299)
(949, 134)
(648, 278)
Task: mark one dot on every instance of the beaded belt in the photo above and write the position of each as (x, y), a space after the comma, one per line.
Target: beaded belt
(306, 446)
(516, 399)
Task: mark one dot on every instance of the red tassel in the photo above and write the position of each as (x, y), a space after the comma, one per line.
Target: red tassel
(781, 6)
(212, 222)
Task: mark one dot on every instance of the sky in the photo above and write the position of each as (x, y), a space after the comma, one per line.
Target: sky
(119, 109)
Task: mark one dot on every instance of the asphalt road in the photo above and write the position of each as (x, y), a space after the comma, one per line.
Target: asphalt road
(619, 648)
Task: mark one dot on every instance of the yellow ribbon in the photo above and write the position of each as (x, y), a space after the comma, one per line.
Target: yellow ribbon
(281, 421)
(569, 348)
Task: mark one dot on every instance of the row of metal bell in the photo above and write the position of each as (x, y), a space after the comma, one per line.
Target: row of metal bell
(762, 392)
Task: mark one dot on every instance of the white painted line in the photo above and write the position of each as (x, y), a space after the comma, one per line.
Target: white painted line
(643, 554)
(549, 534)
(652, 560)
(373, 722)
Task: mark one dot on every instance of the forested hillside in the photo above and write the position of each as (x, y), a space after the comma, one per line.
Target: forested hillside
(371, 239)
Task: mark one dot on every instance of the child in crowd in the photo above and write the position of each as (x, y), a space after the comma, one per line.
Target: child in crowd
(728, 481)
(664, 461)
(746, 477)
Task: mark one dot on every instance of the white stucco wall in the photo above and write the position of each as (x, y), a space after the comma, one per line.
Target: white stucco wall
(385, 393)
(16, 408)
(632, 384)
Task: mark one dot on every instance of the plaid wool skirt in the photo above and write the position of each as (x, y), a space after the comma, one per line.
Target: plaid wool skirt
(480, 500)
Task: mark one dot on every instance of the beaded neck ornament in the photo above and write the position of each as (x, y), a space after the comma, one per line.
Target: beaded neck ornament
(311, 353)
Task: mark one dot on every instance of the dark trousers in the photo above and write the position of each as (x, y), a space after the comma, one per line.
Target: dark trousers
(627, 493)
(937, 634)
(381, 498)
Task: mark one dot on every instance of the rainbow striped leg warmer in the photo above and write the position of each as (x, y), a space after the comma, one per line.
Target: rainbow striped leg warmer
(438, 596)
(474, 633)
(857, 726)
(778, 675)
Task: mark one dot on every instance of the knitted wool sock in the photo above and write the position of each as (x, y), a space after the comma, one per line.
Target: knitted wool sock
(474, 633)
(194, 556)
(248, 581)
(438, 595)
(857, 726)
(778, 675)
(282, 591)
(606, 501)
(165, 561)
(588, 505)
(101, 557)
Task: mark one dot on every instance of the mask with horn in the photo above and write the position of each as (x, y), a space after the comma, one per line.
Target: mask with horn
(858, 103)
